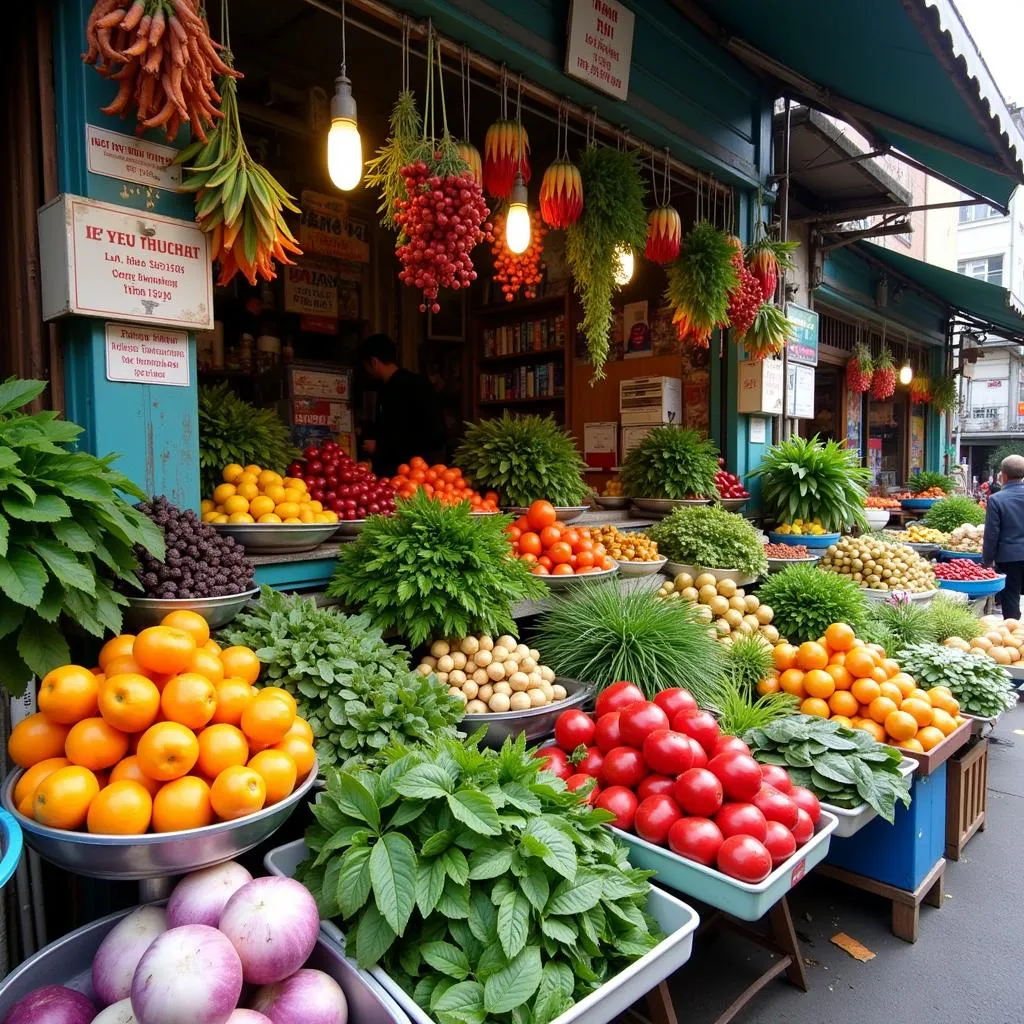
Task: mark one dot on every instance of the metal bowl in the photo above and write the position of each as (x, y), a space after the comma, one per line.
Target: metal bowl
(612, 500)
(778, 564)
(218, 611)
(567, 582)
(536, 722)
(673, 569)
(629, 569)
(154, 855)
(349, 527)
(661, 507)
(278, 538)
(809, 540)
(732, 504)
(563, 513)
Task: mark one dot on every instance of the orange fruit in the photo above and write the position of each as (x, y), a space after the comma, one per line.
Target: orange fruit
(912, 744)
(188, 622)
(182, 804)
(943, 701)
(892, 691)
(189, 699)
(121, 809)
(212, 647)
(125, 665)
(266, 719)
(278, 772)
(770, 684)
(167, 751)
(276, 691)
(843, 703)
(129, 702)
(930, 737)
(842, 720)
(905, 683)
(220, 747)
(792, 681)
(237, 792)
(860, 663)
(920, 710)
(901, 725)
(94, 743)
(872, 727)
(818, 683)
(918, 694)
(118, 647)
(839, 636)
(68, 694)
(881, 707)
(30, 779)
(36, 739)
(891, 667)
(206, 664)
(129, 770)
(242, 662)
(301, 752)
(233, 694)
(784, 656)
(878, 674)
(164, 649)
(865, 690)
(811, 655)
(838, 658)
(301, 728)
(815, 706)
(943, 721)
(840, 676)
(62, 799)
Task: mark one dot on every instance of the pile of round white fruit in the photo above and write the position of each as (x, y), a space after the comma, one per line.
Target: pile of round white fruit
(966, 538)
(492, 675)
(729, 609)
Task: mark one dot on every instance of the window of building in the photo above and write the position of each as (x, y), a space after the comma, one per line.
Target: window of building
(987, 412)
(988, 268)
(977, 211)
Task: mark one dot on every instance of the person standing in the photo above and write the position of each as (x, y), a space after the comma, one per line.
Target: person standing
(1004, 532)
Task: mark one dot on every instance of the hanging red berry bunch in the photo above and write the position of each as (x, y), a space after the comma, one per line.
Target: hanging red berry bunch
(744, 299)
(859, 370)
(523, 271)
(883, 380)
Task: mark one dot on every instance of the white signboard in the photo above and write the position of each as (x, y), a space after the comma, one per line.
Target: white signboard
(760, 387)
(130, 159)
(108, 261)
(311, 289)
(147, 355)
(600, 45)
(800, 391)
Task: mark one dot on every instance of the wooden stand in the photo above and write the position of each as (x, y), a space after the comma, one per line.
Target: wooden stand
(966, 797)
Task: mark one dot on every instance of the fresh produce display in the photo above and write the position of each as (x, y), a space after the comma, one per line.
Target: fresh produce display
(917, 533)
(343, 486)
(980, 685)
(769, 332)
(1002, 641)
(598, 634)
(625, 546)
(700, 281)
(883, 378)
(948, 617)
(613, 489)
(403, 146)
(876, 501)
(553, 548)
(944, 395)
(842, 767)
(710, 538)
(518, 272)
(798, 528)
(733, 698)
(745, 299)
(806, 601)
(355, 690)
(920, 390)
(489, 674)
(952, 512)
(523, 459)
(664, 234)
(198, 561)
(68, 538)
(964, 570)
(729, 485)
(251, 494)
(894, 624)
(730, 610)
(766, 257)
(879, 565)
(929, 485)
(487, 931)
(814, 481)
(178, 724)
(671, 462)
(561, 194)
(860, 370)
(506, 154)
(445, 484)
(433, 570)
(967, 538)
(786, 552)
(675, 780)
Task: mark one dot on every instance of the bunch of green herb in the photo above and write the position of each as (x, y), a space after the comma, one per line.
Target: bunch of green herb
(954, 511)
(903, 622)
(925, 481)
(748, 660)
(613, 219)
(814, 480)
(354, 689)
(949, 617)
(598, 634)
(482, 885)
(710, 538)
(701, 278)
(66, 538)
(433, 570)
(873, 632)
(524, 459)
(671, 462)
(944, 396)
(232, 430)
(982, 687)
(843, 767)
(402, 146)
(806, 601)
(739, 709)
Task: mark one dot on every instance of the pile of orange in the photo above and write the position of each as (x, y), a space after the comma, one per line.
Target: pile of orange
(443, 483)
(251, 494)
(854, 683)
(168, 733)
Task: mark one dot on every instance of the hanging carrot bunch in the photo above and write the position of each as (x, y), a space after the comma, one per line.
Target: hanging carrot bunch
(664, 228)
(471, 158)
(883, 380)
(523, 271)
(920, 390)
(687, 333)
(859, 370)
(506, 149)
(561, 188)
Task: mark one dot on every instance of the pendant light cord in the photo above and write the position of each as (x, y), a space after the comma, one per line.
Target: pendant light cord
(344, 53)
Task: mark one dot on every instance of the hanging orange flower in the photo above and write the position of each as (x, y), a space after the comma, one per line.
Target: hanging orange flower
(506, 149)
(471, 156)
(664, 235)
(561, 194)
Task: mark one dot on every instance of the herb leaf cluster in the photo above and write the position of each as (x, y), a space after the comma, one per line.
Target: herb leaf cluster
(511, 899)
(956, 510)
(806, 601)
(671, 462)
(982, 687)
(711, 538)
(925, 481)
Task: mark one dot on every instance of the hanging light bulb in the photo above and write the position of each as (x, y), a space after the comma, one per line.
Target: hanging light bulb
(625, 264)
(344, 147)
(518, 229)
(906, 374)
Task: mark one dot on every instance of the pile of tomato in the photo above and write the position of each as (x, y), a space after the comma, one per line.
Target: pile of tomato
(553, 548)
(446, 484)
(668, 774)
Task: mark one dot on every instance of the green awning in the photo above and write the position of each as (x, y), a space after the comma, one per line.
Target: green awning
(906, 70)
(988, 305)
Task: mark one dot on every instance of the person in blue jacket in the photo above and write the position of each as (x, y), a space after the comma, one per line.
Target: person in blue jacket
(1004, 532)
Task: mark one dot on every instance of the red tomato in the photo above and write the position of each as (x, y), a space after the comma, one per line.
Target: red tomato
(545, 563)
(804, 827)
(699, 793)
(700, 757)
(624, 766)
(529, 544)
(655, 784)
(622, 803)
(638, 721)
(777, 776)
(574, 728)
(550, 535)
(541, 514)
(514, 533)
(585, 559)
(696, 839)
(776, 806)
(560, 553)
(701, 726)
(618, 696)
(727, 744)
(575, 782)
(563, 569)
(740, 775)
(655, 816)
(572, 537)
(555, 760)
(522, 524)
(667, 752)
(808, 801)
(607, 734)
(745, 858)
(742, 820)
(592, 763)
(779, 843)
(674, 700)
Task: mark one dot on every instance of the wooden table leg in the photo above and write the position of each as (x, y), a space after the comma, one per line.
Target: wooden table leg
(784, 935)
(935, 895)
(659, 1005)
(906, 919)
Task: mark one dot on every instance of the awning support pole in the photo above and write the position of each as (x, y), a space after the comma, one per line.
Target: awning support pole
(782, 426)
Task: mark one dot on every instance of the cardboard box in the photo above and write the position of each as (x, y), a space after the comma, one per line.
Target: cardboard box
(600, 444)
(650, 400)
(760, 387)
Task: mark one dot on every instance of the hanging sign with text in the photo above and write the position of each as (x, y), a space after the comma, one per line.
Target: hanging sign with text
(130, 159)
(802, 346)
(600, 45)
(311, 289)
(108, 261)
(325, 230)
(147, 355)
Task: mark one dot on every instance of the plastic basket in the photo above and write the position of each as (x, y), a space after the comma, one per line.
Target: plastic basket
(10, 846)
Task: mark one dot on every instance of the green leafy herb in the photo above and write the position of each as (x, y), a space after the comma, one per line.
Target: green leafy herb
(671, 462)
(710, 538)
(926, 481)
(982, 687)
(903, 623)
(511, 899)
(944, 397)
(700, 280)
(434, 570)
(954, 511)
(739, 709)
(806, 601)
(949, 617)
(748, 660)
(402, 147)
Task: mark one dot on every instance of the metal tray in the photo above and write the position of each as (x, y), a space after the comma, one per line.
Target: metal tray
(741, 899)
(68, 961)
(11, 842)
(853, 819)
(628, 569)
(1015, 671)
(946, 555)
(568, 582)
(673, 569)
(975, 588)
(931, 760)
(809, 540)
(778, 564)
(732, 504)
(156, 854)
(349, 527)
(218, 611)
(536, 723)
(278, 538)
(661, 507)
(979, 727)
(677, 919)
(611, 500)
(563, 513)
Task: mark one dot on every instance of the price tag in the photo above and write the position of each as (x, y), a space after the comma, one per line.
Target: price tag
(798, 872)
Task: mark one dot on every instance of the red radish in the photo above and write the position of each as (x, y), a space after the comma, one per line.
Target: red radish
(696, 839)
(667, 752)
(701, 726)
(655, 784)
(121, 1013)
(608, 734)
(624, 766)
(675, 700)
(113, 966)
(804, 828)
(621, 802)
(700, 757)
(655, 816)
(807, 801)
(53, 1004)
(200, 898)
(745, 858)
(307, 997)
(617, 697)
(248, 1017)
(777, 776)
(776, 806)
(729, 745)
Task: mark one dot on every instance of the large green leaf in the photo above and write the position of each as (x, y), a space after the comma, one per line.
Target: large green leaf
(42, 646)
(393, 876)
(64, 564)
(47, 508)
(22, 577)
(515, 983)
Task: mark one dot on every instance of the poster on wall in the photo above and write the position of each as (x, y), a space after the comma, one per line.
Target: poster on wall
(854, 406)
(636, 331)
(917, 428)
(326, 230)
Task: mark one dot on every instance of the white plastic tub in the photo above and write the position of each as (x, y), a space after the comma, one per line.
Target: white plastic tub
(853, 819)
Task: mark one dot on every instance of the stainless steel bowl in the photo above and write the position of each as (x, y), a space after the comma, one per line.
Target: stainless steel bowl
(673, 569)
(349, 527)
(278, 538)
(567, 582)
(630, 569)
(154, 855)
(611, 501)
(663, 506)
(536, 722)
(732, 504)
(564, 513)
(218, 611)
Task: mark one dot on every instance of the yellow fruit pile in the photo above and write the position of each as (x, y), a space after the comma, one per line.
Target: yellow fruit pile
(251, 494)
(612, 489)
(798, 528)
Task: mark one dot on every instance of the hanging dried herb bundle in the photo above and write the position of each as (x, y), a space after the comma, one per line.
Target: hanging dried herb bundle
(613, 217)
(699, 282)
(402, 146)
(944, 395)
